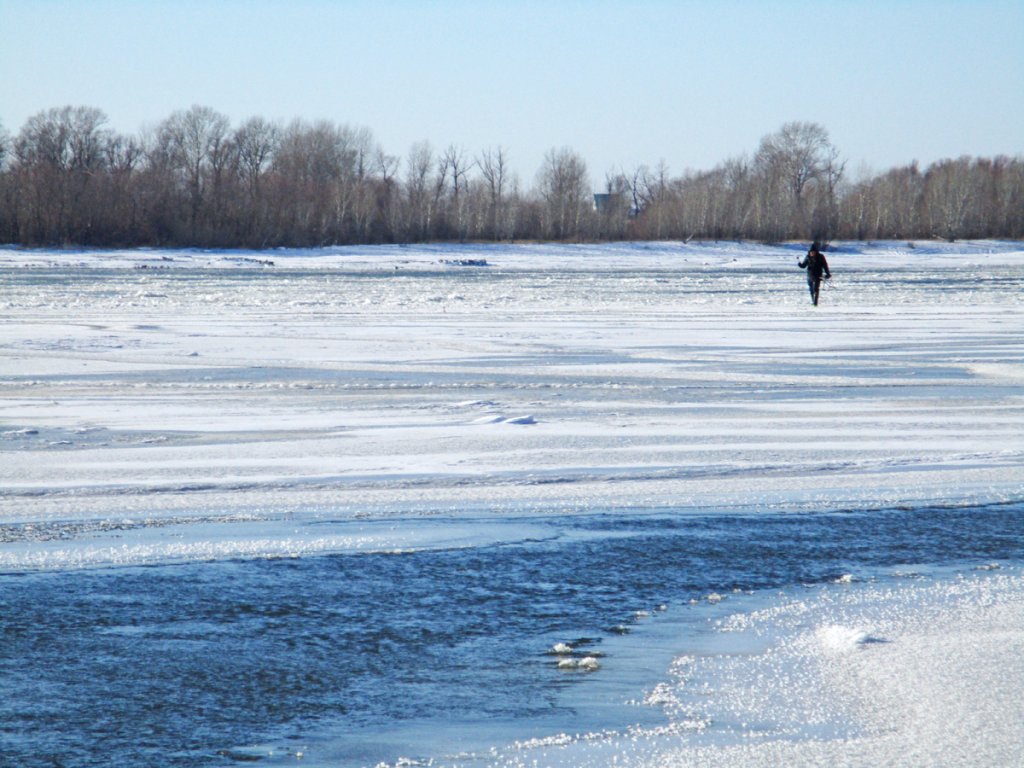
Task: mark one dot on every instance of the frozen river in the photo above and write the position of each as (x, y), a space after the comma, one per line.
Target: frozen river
(347, 502)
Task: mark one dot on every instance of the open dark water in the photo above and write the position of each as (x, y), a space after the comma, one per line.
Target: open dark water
(217, 663)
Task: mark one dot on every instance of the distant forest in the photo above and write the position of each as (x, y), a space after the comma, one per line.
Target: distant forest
(195, 181)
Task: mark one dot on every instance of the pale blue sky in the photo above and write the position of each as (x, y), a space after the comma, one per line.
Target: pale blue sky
(623, 83)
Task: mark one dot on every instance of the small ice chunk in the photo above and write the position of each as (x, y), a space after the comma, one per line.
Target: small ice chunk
(836, 638)
(521, 420)
(490, 420)
(586, 664)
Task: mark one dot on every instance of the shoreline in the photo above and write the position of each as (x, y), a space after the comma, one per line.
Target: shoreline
(919, 670)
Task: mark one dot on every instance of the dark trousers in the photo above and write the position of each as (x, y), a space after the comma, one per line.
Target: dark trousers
(814, 285)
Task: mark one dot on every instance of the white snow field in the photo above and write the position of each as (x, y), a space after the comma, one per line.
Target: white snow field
(166, 406)
(152, 386)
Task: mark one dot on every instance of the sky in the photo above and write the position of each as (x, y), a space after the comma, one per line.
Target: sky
(690, 83)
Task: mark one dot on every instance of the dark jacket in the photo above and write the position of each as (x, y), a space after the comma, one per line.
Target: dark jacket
(815, 264)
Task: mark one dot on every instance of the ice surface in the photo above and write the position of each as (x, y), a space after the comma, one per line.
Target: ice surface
(169, 406)
(368, 380)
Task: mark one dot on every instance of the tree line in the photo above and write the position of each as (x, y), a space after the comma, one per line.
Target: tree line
(196, 180)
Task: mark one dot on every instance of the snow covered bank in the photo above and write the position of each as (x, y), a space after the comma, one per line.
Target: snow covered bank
(904, 675)
(910, 671)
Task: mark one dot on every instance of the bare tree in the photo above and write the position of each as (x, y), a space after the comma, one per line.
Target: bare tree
(564, 188)
(388, 197)
(196, 146)
(58, 157)
(255, 142)
(793, 159)
(494, 168)
(453, 167)
(5, 145)
(900, 193)
(318, 172)
(1009, 197)
(418, 192)
(652, 199)
(8, 231)
(951, 198)
(365, 188)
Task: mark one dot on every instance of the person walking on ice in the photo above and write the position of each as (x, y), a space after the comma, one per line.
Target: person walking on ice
(815, 264)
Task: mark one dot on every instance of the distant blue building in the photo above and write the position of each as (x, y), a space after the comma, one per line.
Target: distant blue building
(611, 203)
(607, 202)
